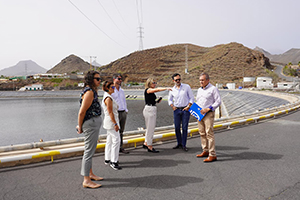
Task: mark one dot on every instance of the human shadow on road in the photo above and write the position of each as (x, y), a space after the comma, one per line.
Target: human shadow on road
(153, 182)
(153, 163)
(249, 155)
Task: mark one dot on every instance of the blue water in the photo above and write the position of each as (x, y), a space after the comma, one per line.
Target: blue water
(26, 120)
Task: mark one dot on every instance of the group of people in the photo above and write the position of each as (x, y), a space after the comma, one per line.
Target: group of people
(115, 111)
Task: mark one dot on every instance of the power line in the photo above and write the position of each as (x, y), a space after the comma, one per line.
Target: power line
(137, 9)
(119, 13)
(111, 19)
(94, 23)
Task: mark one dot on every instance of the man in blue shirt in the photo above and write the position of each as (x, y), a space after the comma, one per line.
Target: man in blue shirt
(180, 99)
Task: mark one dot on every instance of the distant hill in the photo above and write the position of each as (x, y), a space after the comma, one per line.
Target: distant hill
(267, 54)
(292, 55)
(224, 63)
(70, 64)
(22, 68)
(94, 63)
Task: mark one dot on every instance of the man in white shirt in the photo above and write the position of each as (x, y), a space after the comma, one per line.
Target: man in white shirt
(208, 98)
(180, 99)
(119, 97)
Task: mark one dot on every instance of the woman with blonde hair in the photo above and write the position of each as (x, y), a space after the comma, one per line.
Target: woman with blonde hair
(150, 111)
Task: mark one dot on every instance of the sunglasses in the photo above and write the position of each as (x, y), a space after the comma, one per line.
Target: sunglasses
(154, 82)
(119, 79)
(98, 79)
(177, 79)
(112, 87)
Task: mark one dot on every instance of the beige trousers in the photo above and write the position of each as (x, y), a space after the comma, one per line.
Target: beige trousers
(207, 134)
(149, 113)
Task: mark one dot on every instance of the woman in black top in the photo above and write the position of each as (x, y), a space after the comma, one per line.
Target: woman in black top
(150, 111)
(89, 123)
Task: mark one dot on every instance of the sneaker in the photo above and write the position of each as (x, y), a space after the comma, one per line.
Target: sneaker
(115, 166)
(106, 162)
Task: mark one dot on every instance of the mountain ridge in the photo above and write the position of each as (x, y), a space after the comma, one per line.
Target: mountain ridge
(292, 55)
(23, 68)
(224, 63)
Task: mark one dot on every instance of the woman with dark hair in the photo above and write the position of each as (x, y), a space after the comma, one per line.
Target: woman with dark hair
(150, 111)
(111, 124)
(89, 123)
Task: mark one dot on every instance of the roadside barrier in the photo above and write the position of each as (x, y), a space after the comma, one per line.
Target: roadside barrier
(135, 141)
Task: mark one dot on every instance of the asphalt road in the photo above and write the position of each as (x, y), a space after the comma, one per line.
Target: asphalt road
(278, 71)
(258, 161)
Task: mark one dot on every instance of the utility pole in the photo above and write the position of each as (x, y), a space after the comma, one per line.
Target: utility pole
(186, 59)
(91, 61)
(141, 37)
(243, 76)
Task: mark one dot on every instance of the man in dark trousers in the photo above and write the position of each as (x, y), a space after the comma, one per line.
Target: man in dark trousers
(119, 97)
(180, 99)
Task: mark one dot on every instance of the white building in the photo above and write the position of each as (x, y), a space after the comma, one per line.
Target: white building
(33, 87)
(249, 79)
(285, 85)
(230, 85)
(264, 82)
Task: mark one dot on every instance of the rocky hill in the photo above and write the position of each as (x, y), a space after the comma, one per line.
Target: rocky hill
(225, 63)
(22, 68)
(69, 65)
(292, 55)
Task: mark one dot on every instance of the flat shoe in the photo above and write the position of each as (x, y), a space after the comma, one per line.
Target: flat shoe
(92, 187)
(96, 178)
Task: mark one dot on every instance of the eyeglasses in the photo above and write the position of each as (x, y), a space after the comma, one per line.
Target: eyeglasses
(97, 78)
(179, 79)
(112, 87)
(154, 82)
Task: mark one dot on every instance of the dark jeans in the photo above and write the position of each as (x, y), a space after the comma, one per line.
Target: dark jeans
(181, 117)
(122, 121)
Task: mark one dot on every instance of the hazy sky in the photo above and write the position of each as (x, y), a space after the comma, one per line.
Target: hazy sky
(47, 31)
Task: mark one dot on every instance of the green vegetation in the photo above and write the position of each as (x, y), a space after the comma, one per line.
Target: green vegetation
(287, 70)
(133, 83)
(273, 75)
(54, 80)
